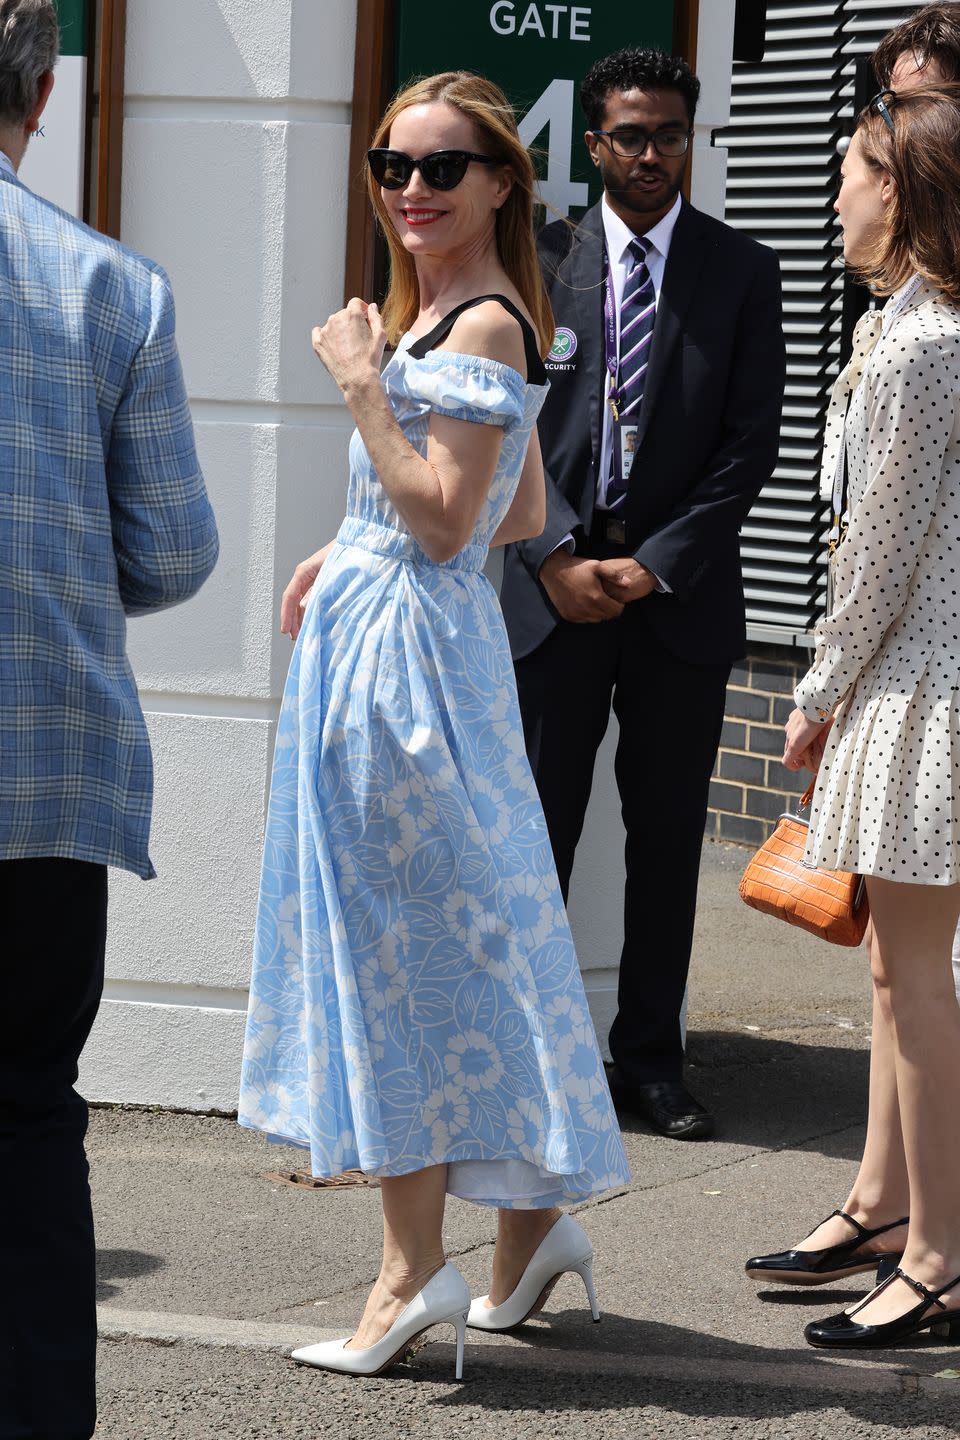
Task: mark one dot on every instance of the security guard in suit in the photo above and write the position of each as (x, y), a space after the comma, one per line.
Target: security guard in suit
(660, 428)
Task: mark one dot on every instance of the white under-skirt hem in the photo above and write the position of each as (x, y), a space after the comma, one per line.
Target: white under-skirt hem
(517, 1183)
(510, 1184)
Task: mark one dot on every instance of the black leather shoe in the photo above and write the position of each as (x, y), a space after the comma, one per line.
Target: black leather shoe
(842, 1332)
(888, 1264)
(667, 1105)
(819, 1267)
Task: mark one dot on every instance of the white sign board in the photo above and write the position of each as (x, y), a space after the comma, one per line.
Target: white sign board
(53, 165)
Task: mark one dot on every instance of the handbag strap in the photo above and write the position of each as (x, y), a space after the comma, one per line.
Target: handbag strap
(807, 796)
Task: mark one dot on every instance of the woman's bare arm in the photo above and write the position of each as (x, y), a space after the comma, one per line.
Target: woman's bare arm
(528, 513)
(439, 496)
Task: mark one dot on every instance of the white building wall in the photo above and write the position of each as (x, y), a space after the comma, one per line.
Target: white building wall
(236, 137)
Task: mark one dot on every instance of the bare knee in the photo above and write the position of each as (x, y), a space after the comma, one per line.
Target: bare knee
(881, 976)
(911, 995)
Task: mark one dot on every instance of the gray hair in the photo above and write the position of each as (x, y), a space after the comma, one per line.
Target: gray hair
(29, 45)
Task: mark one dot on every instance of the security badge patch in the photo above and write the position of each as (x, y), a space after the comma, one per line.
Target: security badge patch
(561, 352)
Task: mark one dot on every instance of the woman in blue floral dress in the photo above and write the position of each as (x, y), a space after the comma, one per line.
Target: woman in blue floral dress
(416, 1008)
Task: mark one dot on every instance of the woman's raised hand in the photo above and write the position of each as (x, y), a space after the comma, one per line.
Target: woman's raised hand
(294, 599)
(351, 345)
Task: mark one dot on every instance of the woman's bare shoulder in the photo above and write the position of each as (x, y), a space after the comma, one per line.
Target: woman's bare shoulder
(490, 331)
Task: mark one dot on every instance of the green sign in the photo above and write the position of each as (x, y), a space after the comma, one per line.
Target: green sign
(73, 26)
(538, 53)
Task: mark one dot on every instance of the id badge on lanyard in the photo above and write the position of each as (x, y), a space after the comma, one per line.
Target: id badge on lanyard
(626, 437)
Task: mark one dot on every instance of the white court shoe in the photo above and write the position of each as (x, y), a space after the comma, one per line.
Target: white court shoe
(444, 1300)
(566, 1246)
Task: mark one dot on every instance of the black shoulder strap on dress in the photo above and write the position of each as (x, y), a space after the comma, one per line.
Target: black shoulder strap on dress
(536, 374)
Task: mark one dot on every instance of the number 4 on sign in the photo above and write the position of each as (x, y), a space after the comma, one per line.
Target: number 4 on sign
(554, 112)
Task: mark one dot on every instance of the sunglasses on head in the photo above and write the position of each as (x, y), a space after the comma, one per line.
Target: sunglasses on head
(442, 170)
(880, 105)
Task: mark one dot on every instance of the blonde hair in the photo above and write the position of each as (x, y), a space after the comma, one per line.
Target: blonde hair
(920, 230)
(485, 104)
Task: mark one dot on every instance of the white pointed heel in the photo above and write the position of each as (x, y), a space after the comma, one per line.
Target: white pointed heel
(444, 1300)
(460, 1325)
(585, 1271)
(565, 1247)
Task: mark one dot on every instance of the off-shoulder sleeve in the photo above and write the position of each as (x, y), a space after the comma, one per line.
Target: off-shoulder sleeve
(466, 387)
(911, 415)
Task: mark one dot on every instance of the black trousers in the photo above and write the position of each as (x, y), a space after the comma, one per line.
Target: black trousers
(670, 714)
(53, 919)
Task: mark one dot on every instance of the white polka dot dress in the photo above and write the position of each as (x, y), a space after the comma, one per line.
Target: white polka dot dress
(887, 801)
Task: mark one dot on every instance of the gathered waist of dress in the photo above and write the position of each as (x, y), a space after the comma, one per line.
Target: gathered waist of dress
(400, 545)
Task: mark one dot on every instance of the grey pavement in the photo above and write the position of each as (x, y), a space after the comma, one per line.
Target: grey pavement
(210, 1272)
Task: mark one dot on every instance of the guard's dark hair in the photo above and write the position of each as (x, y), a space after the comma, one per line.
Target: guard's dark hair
(636, 69)
(933, 33)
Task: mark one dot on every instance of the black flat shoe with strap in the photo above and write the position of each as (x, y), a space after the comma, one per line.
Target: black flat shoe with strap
(834, 1262)
(843, 1332)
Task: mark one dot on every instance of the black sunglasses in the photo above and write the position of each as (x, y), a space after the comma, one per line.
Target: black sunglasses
(879, 105)
(443, 170)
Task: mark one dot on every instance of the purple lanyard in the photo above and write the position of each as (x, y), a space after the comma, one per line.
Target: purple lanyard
(610, 341)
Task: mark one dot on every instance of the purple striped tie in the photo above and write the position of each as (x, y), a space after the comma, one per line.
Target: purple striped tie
(638, 310)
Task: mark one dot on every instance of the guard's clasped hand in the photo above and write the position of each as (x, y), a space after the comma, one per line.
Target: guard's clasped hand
(626, 580)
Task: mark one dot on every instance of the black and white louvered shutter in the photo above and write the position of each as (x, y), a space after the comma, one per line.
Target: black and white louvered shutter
(787, 114)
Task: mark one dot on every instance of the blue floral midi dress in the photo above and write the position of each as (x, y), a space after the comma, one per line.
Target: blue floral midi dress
(415, 997)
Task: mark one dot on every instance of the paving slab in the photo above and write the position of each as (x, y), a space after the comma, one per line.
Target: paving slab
(187, 1218)
(751, 969)
(151, 1392)
(210, 1271)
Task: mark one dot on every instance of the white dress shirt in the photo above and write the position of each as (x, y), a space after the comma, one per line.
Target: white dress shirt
(618, 236)
(7, 165)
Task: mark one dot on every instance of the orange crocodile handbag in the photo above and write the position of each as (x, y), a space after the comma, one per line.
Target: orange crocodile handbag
(828, 903)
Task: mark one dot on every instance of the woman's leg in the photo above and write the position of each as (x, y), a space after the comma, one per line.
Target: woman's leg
(519, 1232)
(914, 926)
(881, 1190)
(412, 1248)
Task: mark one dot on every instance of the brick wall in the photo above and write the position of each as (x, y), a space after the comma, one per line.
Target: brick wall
(750, 787)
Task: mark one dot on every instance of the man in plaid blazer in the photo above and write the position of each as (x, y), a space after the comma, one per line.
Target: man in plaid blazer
(103, 513)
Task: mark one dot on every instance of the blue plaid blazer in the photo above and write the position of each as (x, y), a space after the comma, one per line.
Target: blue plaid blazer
(103, 512)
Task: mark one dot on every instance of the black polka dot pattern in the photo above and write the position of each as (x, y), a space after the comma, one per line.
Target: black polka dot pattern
(887, 801)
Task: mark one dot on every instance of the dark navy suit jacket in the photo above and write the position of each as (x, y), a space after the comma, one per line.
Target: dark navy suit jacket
(708, 429)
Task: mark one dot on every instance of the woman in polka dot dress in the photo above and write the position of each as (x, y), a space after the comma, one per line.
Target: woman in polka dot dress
(878, 714)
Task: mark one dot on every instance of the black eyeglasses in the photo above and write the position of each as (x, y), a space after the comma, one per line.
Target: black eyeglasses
(879, 105)
(443, 170)
(630, 141)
